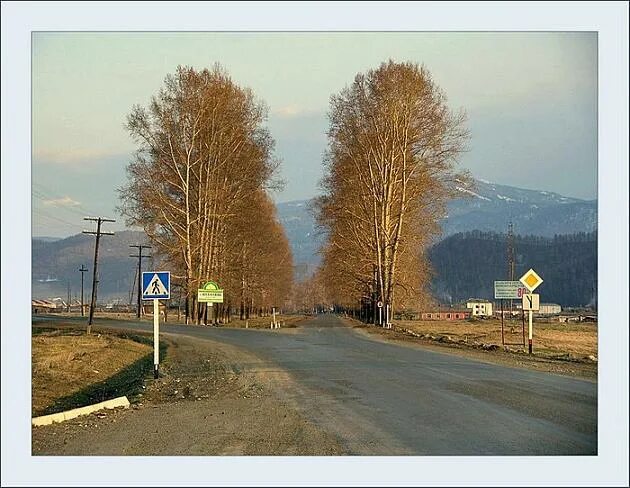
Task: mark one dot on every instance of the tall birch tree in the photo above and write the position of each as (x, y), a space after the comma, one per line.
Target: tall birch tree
(390, 168)
(203, 152)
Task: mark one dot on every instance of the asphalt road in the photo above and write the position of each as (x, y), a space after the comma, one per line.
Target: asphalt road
(387, 399)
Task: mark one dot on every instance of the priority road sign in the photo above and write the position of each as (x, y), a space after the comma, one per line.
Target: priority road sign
(531, 280)
(156, 285)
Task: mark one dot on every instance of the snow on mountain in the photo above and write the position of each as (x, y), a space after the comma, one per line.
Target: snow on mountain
(470, 192)
(484, 206)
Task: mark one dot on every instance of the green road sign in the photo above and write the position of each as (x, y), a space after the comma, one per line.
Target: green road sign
(210, 293)
(508, 289)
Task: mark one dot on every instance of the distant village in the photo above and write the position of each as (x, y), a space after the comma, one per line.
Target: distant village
(472, 309)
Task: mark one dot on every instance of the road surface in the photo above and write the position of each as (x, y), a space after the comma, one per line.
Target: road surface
(380, 398)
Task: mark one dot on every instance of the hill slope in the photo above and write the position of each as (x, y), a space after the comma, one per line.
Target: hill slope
(467, 264)
(488, 207)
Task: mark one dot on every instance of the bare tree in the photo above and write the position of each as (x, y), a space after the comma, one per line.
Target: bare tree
(203, 152)
(393, 145)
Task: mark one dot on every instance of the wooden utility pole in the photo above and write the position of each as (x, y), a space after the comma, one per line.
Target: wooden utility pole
(140, 256)
(83, 269)
(98, 234)
(511, 259)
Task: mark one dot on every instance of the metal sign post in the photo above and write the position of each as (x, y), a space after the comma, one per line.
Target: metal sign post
(530, 337)
(531, 280)
(502, 332)
(531, 302)
(508, 290)
(156, 285)
(156, 338)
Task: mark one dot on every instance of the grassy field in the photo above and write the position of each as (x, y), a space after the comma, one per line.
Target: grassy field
(549, 337)
(66, 364)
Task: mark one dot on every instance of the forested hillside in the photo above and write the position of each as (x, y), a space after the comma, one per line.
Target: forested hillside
(466, 264)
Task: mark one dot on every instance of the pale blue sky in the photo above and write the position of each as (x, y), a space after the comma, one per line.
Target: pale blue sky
(531, 100)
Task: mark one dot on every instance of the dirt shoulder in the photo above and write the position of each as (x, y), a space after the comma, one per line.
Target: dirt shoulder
(486, 352)
(203, 404)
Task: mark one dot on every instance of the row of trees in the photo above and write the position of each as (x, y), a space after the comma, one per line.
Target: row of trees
(390, 168)
(197, 186)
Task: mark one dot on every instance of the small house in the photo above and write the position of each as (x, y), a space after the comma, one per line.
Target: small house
(479, 308)
(549, 309)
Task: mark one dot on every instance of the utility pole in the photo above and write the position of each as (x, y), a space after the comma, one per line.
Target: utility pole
(375, 297)
(69, 297)
(510, 257)
(98, 234)
(83, 269)
(140, 256)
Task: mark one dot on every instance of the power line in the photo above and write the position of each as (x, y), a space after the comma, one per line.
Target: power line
(41, 215)
(98, 233)
(44, 192)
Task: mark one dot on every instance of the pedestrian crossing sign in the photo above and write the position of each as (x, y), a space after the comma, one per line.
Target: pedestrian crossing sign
(156, 285)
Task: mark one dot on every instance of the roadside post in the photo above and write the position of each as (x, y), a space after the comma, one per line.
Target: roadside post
(210, 293)
(531, 301)
(156, 286)
(508, 290)
(502, 328)
(380, 313)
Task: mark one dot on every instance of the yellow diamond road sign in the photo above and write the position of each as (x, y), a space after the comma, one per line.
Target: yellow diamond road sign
(531, 280)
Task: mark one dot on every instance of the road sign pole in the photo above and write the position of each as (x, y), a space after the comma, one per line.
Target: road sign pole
(380, 316)
(156, 338)
(502, 333)
(530, 331)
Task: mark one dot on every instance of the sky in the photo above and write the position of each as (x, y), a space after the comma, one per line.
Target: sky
(530, 99)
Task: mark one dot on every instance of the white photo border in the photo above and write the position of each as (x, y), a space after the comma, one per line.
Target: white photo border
(609, 19)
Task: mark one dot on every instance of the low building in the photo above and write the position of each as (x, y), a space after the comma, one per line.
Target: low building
(47, 306)
(446, 315)
(549, 309)
(479, 308)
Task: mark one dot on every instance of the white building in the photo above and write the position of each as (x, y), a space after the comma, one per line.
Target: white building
(479, 308)
(549, 308)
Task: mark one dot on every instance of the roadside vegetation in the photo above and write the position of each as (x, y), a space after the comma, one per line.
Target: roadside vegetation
(71, 369)
(391, 168)
(285, 321)
(563, 348)
(198, 187)
(551, 339)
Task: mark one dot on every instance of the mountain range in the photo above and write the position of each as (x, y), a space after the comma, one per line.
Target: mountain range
(485, 207)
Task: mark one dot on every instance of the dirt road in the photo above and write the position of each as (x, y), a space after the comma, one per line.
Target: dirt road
(200, 406)
(370, 397)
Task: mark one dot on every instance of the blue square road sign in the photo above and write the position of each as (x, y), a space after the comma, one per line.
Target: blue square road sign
(156, 285)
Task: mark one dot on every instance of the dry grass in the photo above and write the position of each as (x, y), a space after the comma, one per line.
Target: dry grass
(553, 338)
(287, 321)
(63, 364)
